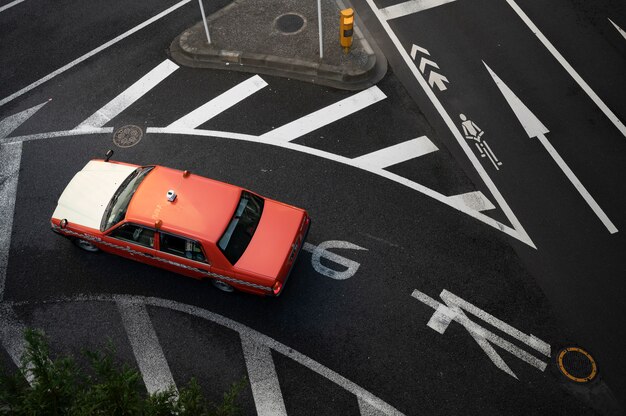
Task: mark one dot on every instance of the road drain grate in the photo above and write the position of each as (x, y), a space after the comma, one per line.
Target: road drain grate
(577, 364)
(127, 136)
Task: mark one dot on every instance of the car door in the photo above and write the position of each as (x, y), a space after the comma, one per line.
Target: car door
(183, 255)
(132, 241)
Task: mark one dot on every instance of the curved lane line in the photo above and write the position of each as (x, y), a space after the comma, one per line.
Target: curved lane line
(452, 202)
(245, 332)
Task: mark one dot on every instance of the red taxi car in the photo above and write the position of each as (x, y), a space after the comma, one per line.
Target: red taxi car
(182, 222)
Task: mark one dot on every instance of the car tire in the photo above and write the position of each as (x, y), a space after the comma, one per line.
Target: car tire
(86, 245)
(223, 286)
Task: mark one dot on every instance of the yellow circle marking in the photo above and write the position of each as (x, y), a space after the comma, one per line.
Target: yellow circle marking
(594, 367)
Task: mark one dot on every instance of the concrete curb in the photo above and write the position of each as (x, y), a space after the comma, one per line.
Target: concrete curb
(185, 51)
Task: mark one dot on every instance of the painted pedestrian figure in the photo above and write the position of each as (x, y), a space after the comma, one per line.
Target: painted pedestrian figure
(471, 131)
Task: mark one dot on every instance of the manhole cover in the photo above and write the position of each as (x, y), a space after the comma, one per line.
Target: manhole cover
(127, 136)
(290, 23)
(577, 364)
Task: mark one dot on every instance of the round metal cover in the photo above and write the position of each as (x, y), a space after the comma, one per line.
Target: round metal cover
(127, 136)
(290, 23)
(577, 364)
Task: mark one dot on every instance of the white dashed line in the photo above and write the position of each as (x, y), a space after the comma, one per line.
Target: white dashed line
(398, 153)
(326, 115)
(263, 379)
(145, 344)
(410, 7)
(220, 103)
(474, 200)
(129, 96)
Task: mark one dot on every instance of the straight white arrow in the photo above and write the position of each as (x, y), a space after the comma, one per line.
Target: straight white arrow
(534, 128)
(436, 78)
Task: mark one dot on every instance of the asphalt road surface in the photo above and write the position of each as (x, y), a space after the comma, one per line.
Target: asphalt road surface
(427, 229)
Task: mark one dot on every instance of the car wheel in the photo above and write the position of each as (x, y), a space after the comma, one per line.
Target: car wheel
(86, 245)
(224, 287)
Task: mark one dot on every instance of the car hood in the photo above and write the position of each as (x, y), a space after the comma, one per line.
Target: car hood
(86, 197)
(268, 250)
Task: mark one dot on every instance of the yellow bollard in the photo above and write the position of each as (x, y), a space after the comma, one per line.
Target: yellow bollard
(346, 23)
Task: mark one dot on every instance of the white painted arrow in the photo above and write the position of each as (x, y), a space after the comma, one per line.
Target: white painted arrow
(438, 79)
(416, 48)
(14, 121)
(534, 128)
(425, 62)
(619, 29)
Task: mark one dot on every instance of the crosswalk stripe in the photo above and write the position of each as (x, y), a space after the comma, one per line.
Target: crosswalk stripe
(326, 115)
(12, 337)
(474, 200)
(397, 153)
(129, 96)
(148, 352)
(410, 7)
(263, 379)
(220, 103)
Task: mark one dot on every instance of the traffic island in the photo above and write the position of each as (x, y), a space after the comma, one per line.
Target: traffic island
(281, 38)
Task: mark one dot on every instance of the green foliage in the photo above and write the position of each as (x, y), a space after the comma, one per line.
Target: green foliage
(43, 386)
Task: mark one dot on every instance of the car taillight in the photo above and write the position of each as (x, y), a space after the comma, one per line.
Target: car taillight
(276, 288)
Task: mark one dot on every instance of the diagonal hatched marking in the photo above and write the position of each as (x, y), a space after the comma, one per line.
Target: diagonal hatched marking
(152, 363)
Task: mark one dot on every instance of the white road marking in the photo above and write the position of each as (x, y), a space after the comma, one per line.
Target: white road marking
(366, 409)
(416, 48)
(410, 7)
(150, 358)
(53, 134)
(350, 162)
(603, 107)
(245, 332)
(395, 154)
(8, 6)
(534, 128)
(220, 103)
(263, 379)
(10, 160)
(322, 251)
(619, 29)
(93, 52)
(453, 310)
(517, 231)
(326, 115)
(129, 96)
(474, 200)
(9, 124)
(12, 337)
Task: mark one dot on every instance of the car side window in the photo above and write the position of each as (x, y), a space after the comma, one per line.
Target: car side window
(182, 247)
(135, 234)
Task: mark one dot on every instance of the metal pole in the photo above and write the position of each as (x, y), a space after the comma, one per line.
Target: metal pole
(319, 19)
(206, 27)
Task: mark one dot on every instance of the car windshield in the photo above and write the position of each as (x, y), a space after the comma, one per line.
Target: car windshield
(242, 227)
(116, 210)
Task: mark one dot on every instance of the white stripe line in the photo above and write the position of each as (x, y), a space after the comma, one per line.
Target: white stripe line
(518, 231)
(578, 185)
(129, 96)
(93, 52)
(366, 409)
(619, 29)
(244, 331)
(53, 134)
(395, 154)
(220, 103)
(10, 160)
(474, 200)
(603, 107)
(410, 7)
(326, 115)
(8, 6)
(346, 161)
(263, 379)
(9, 124)
(12, 337)
(145, 344)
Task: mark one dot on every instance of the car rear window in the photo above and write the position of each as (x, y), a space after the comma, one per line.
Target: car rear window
(241, 227)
